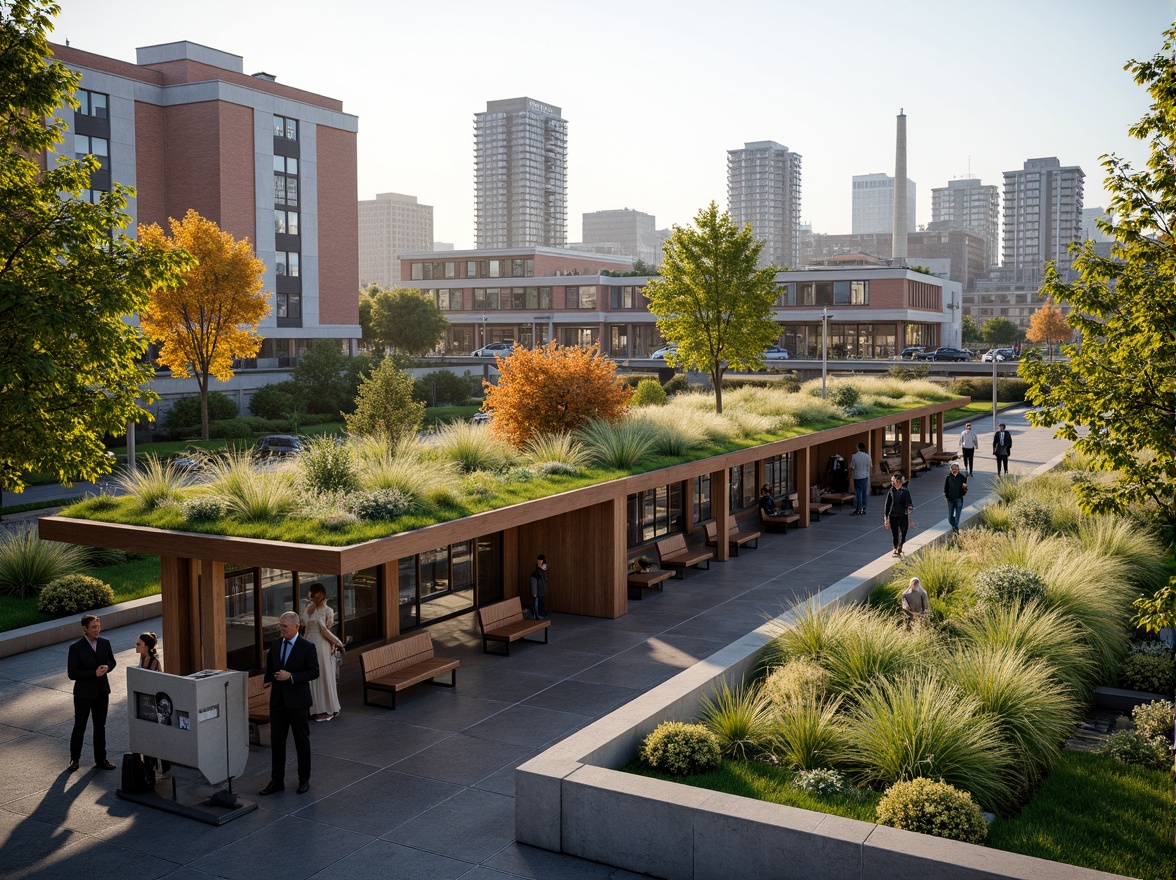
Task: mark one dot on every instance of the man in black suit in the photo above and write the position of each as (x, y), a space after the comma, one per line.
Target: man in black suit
(90, 661)
(1002, 446)
(292, 665)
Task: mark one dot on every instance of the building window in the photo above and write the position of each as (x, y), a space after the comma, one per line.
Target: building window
(654, 513)
(486, 298)
(285, 128)
(92, 104)
(859, 293)
(581, 297)
(286, 222)
(286, 263)
(702, 498)
(289, 305)
(85, 145)
(778, 474)
(417, 271)
(743, 490)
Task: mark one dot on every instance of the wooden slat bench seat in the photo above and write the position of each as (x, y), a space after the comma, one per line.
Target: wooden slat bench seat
(919, 461)
(393, 667)
(838, 498)
(735, 538)
(783, 520)
(672, 552)
(504, 622)
(258, 694)
(653, 578)
(879, 482)
(819, 507)
(938, 457)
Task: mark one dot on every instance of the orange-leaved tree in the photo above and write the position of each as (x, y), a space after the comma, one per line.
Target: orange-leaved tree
(211, 317)
(1049, 325)
(550, 389)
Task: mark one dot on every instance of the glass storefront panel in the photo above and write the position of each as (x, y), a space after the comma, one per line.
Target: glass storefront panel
(241, 626)
(361, 606)
(702, 499)
(407, 593)
(489, 550)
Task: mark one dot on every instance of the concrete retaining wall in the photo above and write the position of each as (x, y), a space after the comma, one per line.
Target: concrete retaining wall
(569, 799)
(54, 632)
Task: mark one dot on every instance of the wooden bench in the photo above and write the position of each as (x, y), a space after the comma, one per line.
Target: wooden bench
(504, 622)
(879, 482)
(672, 552)
(257, 693)
(782, 520)
(653, 578)
(393, 667)
(735, 538)
(920, 462)
(937, 457)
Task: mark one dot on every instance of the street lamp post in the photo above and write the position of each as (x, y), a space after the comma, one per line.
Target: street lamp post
(994, 390)
(485, 341)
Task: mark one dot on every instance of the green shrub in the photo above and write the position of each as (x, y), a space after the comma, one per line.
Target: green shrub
(1148, 672)
(328, 466)
(379, 504)
(203, 508)
(680, 749)
(845, 396)
(1004, 584)
(278, 400)
(1150, 646)
(906, 374)
(338, 520)
(977, 388)
(739, 719)
(676, 385)
(824, 782)
(1154, 720)
(74, 593)
(649, 393)
(230, 429)
(929, 807)
(800, 680)
(557, 469)
(1030, 514)
(443, 388)
(1132, 748)
(27, 563)
(185, 412)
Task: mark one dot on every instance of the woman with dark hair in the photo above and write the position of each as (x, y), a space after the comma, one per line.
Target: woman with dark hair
(319, 621)
(147, 648)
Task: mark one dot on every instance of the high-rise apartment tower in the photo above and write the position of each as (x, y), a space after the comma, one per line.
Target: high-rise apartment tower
(1042, 216)
(520, 175)
(391, 224)
(873, 204)
(969, 205)
(763, 189)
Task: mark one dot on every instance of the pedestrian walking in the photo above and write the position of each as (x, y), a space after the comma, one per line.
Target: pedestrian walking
(1002, 447)
(899, 507)
(539, 587)
(955, 487)
(968, 444)
(860, 466)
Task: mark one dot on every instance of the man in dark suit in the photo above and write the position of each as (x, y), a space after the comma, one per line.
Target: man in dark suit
(1002, 447)
(291, 666)
(90, 661)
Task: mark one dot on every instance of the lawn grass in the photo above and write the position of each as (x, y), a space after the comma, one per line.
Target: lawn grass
(1092, 811)
(975, 410)
(133, 579)
(1096, 812)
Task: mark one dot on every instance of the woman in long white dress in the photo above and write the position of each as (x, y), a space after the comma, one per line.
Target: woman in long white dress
(319, 620)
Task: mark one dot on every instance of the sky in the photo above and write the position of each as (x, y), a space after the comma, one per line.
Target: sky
(655, 92)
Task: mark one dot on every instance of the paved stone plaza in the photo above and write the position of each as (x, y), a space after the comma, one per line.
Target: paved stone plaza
(426, 791)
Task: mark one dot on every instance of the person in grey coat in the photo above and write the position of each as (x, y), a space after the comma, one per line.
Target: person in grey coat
(539, 587)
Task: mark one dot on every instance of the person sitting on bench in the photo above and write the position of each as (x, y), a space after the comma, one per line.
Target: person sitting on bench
(768, 504)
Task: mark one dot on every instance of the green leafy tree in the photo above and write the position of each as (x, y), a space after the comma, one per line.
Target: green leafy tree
(322, 373)
(385, 405)
(712, 299)
(1000, 331)
(366, 296)
(1120, 382)
(71, 369)
(405, 320)
(971, 330)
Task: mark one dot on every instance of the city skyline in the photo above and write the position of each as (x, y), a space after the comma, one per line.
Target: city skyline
(984, 89)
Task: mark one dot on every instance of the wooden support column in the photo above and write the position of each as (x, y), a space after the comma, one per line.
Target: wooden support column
(213, 634)
(939, 431)
(905, 429)
(179, 636)
(804, 479)
(619, 551)
(721, 511)
(388, 574)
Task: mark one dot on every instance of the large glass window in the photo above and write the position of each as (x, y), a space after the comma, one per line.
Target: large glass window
(780, 474)
(288, 305)
(285, 222)
(286, 263)
(702, 498)
(285, 128)
(743, 489)
(85, 145)
(581, 297)
(92, 103)
(654, 513)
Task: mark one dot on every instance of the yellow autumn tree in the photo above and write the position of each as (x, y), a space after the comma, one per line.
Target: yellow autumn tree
(211, 317)
(550, 389)
(1048, 325)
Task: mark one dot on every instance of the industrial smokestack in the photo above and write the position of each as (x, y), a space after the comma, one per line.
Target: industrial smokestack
(898, 236)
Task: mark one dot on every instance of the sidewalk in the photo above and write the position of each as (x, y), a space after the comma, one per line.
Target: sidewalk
(426, 791)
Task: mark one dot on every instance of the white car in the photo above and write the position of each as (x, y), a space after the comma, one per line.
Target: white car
(496, 348)
(1000, 354)
(661, 353)
(776, 353)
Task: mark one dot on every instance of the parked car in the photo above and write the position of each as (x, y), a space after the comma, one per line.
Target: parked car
(909, 354)
(945, 353)
(277, 446)
(999, 354)
(482, 417)
(504, 347)
(776, 353)
(661, 353)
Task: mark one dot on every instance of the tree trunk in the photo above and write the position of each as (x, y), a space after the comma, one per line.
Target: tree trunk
(717, 381)
(202, 378)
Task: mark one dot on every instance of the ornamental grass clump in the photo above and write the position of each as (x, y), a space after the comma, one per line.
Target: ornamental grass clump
(27, 563)
(1034, 712)
(152, 483)
(250, 493)
(919, 724)
(740, 719)
(928, 807)
(808, 735)
(1138, 548)
(561, 447)
(621, 445)
(73, 594)
(472, 447)
(1096, 593)
(681, 749)
(673, 435)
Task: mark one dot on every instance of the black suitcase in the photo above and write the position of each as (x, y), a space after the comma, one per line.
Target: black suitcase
(134, 774)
